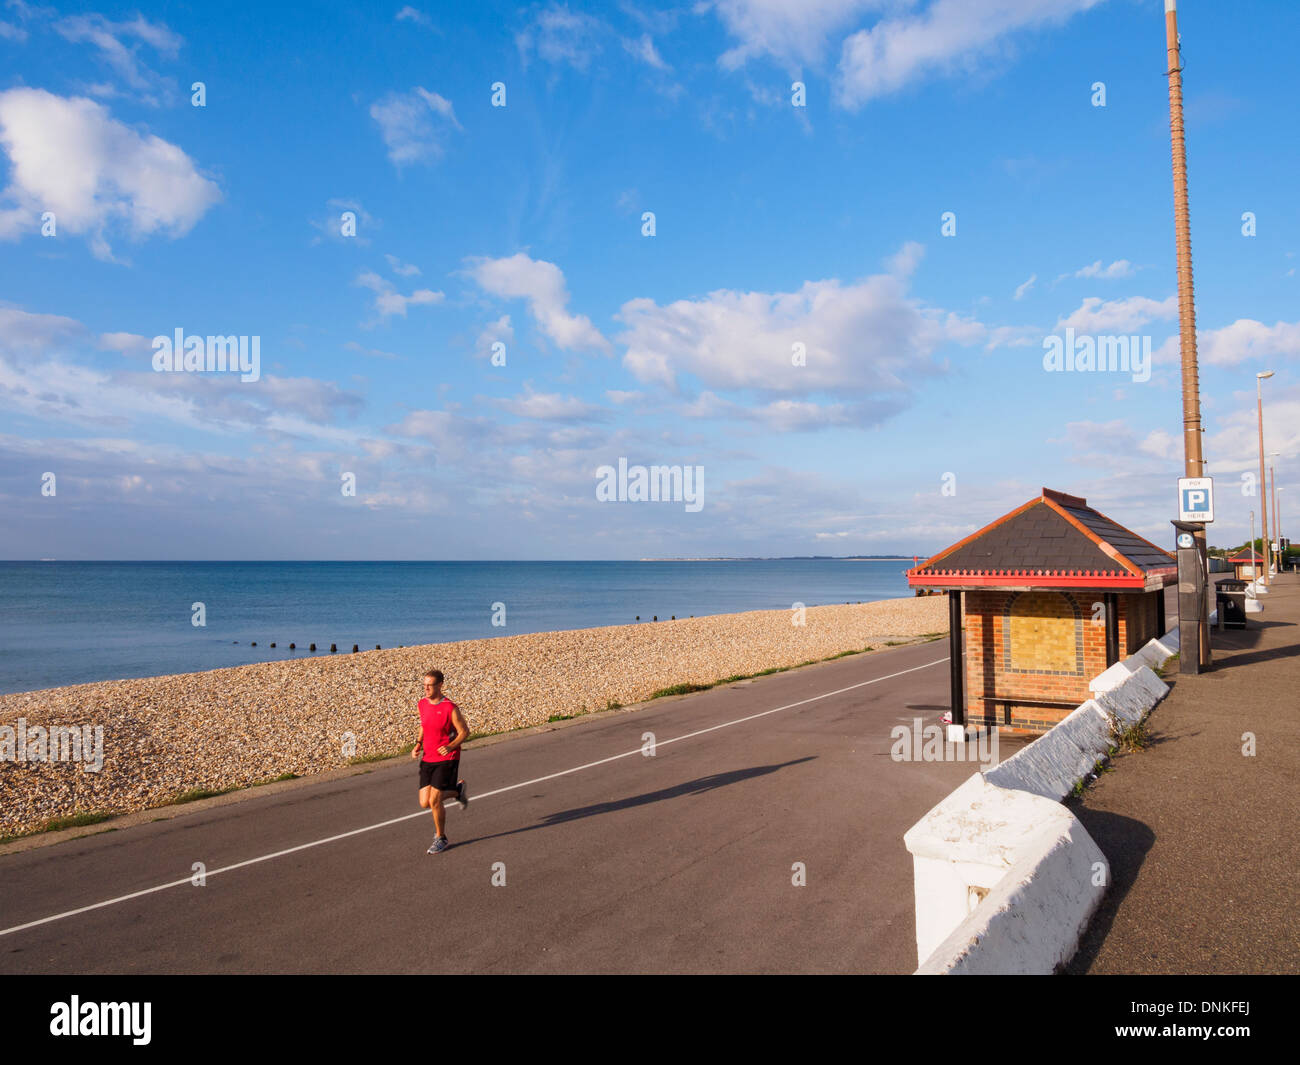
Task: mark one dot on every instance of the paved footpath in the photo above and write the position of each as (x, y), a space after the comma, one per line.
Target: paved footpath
(1202, 838)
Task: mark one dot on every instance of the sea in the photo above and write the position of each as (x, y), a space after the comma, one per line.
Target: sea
(78, 622)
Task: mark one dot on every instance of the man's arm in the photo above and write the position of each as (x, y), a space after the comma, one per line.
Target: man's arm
(462, 732)
(419, 743)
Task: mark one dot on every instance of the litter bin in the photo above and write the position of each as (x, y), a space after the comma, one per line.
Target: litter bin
(1230, 598)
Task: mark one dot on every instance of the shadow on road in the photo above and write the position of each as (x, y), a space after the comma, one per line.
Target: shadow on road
(1125, 843)
(694, 787)
(1236, 660)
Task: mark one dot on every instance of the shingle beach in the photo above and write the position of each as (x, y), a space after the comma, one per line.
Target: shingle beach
(226, 728)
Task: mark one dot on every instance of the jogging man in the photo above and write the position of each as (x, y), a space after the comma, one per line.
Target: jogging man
(442, 731)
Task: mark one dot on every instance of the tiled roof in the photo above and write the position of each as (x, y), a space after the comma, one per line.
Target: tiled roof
(1054, 540)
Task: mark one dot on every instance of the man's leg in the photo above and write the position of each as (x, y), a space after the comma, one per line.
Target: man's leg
(439, 814)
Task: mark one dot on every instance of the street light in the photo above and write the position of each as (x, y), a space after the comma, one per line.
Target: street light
(1263, 499)
(1254, 569)
(1277, 514)
(1277, 517)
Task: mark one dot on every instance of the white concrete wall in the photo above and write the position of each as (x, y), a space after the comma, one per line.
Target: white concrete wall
(1032, 920)
(1006, 879)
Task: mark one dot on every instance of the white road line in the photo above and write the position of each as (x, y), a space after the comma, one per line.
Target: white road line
(477, 798)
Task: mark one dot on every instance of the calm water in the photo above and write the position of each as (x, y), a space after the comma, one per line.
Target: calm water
(75, 622)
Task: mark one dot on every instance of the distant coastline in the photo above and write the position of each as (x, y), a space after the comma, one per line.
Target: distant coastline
(787, 558)
(68, 622)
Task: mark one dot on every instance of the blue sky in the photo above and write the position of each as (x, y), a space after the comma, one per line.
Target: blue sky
(775, 225)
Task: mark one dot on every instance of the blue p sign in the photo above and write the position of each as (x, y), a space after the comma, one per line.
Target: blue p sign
(1196, 499)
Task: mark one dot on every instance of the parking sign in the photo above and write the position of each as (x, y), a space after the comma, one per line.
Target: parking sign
(1196, 499)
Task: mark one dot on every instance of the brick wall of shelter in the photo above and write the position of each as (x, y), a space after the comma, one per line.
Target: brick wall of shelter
(1031, 654)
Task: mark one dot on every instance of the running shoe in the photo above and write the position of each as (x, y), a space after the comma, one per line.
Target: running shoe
(462, 793)
(439, 845)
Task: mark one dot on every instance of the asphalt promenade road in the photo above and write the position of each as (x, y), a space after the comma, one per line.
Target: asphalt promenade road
(683, 861)
(1203, 839)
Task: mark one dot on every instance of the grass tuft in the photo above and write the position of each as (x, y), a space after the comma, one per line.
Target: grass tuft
(680, 689)
(274, 780)
(379, 756)
(57, 824)
(195, 794)
(1133, 738)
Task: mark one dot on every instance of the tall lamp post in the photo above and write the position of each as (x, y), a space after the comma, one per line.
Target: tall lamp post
(1192, 459)
(1277, 514)
(1277, 517)
(1263, 484)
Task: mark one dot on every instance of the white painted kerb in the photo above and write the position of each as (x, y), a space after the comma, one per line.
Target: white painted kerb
(1006, 879)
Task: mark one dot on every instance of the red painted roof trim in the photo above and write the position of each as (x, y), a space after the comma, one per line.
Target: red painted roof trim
(1046, 579)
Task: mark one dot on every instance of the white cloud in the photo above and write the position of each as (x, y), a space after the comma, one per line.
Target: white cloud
(1096, 315)
(61, 390)
(905, 261)
(1013, 336)
(1120, 268)
(126, 343)
(550, 406)
(388, 301)
(41, 376)
(400, 268)
(644, 49)
(542, 284)
(615, 395)
(559, 35)
(414, 125)
(112, 40)
(64, 391)
(317, 401)
(781, 415)
(865, 336)
(1022, 289)
(1235, 446)
(1162, 445)
(948, 33)
(331, 224)
(791, 31)
(67, 155)
(1248, 339)
(25, 336)
(500, 330)
(369, 353)
(411, 14)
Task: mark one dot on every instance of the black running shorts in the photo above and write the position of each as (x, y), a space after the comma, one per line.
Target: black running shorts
(440, 775)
